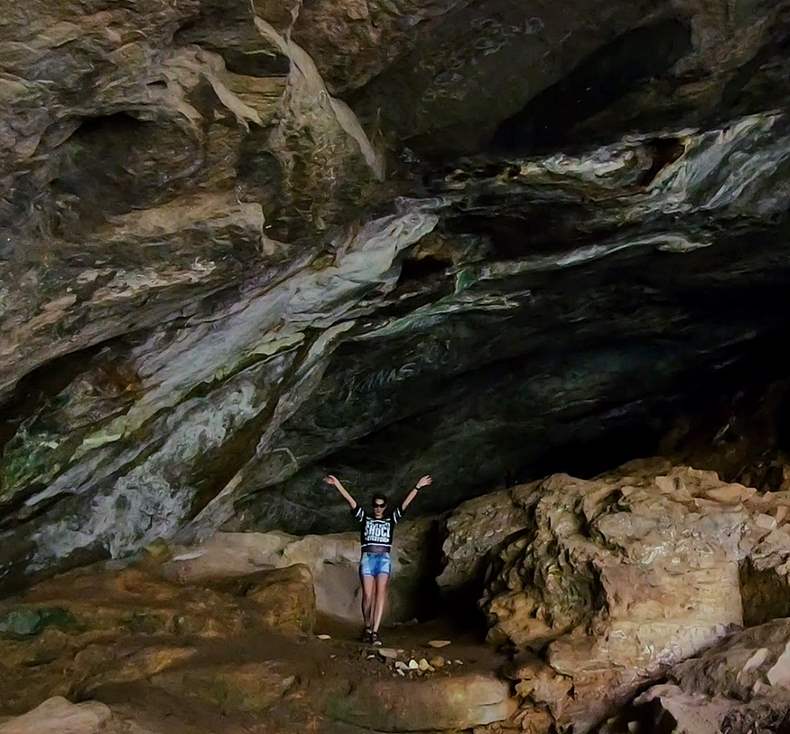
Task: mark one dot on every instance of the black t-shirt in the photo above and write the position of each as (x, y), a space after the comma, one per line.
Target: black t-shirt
(375, 532)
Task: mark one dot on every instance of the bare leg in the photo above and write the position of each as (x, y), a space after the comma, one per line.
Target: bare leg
(368, 599)
(380, 601)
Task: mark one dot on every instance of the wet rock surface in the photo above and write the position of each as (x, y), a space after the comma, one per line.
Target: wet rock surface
(240, 250)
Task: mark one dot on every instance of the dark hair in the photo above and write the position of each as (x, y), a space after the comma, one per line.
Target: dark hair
(379, 496)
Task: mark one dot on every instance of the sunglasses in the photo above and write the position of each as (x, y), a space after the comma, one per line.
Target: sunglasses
(379, 505)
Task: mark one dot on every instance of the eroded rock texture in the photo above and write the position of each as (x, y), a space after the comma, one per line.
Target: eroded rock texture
(740, 685)
(333, 561)
(605, 584)
(239, 248)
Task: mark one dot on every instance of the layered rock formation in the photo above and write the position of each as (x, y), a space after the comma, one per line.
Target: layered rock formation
(740, 685)
(333, 561)
(218, 655)
(605, 584)
(239, 249)
(652, 598)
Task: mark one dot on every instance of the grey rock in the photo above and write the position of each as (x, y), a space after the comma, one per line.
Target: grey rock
(238, 251)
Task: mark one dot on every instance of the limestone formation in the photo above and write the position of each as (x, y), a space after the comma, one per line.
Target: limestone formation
(609, 582)
(738, 686)
(333, 561)
(460, 702)
(76, 632)
(245, 244)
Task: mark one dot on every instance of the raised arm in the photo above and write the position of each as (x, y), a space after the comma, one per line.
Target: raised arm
(423, 482)
(333, 481)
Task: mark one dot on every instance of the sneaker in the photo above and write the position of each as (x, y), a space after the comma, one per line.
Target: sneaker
(367, 635)
(375, 639)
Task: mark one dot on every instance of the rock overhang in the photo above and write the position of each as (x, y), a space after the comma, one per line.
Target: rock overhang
(214, 298)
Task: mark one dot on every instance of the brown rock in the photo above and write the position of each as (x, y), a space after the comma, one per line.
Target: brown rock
(76, 632)
(332, 559)
(247, 687)
(473, 530)
(59, 716)
(285, 596)
(740, 685)
(432, 703)
(99, 665)
(616, 577)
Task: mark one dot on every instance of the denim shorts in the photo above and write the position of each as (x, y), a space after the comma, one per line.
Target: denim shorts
(374, 564)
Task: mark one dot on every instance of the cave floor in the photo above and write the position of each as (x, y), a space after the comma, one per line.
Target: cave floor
(321, 669)
(251, 682)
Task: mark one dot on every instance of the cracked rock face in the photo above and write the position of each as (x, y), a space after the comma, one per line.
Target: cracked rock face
(605, 584)
(244, 244)
(740, 685)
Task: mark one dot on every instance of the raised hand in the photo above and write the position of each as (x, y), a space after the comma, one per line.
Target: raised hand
(424, 481)
(332, 481)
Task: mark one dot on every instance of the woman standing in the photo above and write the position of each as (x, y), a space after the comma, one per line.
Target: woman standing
(376, 535)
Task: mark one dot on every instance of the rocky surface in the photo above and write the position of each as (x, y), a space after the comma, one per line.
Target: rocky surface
(333, 561)
(240, 250)
(155, 657)
(609, 582)
(460, 702)
(58, 716)
(651, 598)
(96, 626)
(740, 685)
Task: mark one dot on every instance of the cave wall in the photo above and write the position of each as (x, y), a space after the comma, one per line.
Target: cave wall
(247, 243)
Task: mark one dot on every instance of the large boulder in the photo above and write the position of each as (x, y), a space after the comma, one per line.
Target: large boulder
(740, 685)
(609, 581)
(285, 597)
(332, 559)
(396, 705)
(246, 687)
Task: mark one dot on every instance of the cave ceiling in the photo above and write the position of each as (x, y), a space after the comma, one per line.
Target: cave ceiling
(246, 243)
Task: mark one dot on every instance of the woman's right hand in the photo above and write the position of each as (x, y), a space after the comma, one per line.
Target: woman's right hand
(332, 481)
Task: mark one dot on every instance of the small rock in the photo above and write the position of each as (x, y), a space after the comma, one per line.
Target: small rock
(324, 637)
(400, 672)
(779, 674)
(459, 662)
(439, 643)
(59, 716)
(437, 661)
(413, 664)
(424, 665)
(401, 666)
(387, 653)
